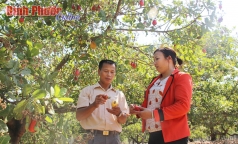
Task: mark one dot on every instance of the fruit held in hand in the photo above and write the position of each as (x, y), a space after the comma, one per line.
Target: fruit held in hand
(105, 97)
(136, 108)
(114, 103)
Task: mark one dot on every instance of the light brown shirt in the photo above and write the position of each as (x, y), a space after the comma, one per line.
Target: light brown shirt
(100, 118)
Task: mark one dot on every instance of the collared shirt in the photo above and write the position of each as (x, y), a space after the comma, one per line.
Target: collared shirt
(100, 118)
(154, 101)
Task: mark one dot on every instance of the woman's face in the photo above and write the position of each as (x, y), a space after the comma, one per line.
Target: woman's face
(161, 63)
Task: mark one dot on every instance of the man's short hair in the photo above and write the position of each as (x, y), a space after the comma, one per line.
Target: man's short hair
(111, 62)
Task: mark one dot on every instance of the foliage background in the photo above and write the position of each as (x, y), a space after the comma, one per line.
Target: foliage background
(39, 56)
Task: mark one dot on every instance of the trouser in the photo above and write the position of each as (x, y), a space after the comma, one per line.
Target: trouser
(100, 138)
(157, 138)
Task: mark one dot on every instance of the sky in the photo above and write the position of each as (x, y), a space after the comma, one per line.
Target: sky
(230, 8)
(230, 20)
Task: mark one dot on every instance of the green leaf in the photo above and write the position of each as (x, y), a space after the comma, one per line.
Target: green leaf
(52, 137)
(3, 127)
(57, 91)
(170, 16)
(19, 108)
(140, 25)
(29, 43)
(39, 94)
(5, 80)
(53, 75)
(101, 13)
(127, 62)
(48, 119)
(26, 71)
(20, 56)
(98, 41)
(8, 110)
(60, 123)
(66, 99)
(38, 45)
(19, 81)
(63, 91)
(10, 64)
(26, 89)
(34, 52)
(39, 108)
(5, 139)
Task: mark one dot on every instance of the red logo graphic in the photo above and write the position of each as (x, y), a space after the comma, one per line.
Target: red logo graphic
(35, 10)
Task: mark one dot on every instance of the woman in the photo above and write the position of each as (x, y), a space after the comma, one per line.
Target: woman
(167, 101)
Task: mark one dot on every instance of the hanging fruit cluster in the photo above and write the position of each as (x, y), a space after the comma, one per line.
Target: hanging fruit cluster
(133, 65)
(32, 125)
(142, 3)
(32, 121)
(76, 7)
(21, 19)
(96, 8)
(76, 74)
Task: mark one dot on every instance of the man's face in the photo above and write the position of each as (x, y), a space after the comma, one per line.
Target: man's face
(107, 73)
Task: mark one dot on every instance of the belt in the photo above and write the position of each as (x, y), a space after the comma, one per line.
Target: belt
(104, 132)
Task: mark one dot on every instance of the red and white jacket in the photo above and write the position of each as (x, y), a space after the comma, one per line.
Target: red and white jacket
(174, 107)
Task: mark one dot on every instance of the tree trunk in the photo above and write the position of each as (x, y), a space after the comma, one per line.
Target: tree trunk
(213, 137)
(16, 129)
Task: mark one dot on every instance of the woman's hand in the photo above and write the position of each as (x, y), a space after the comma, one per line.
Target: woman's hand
(134, 108)
(144, 113)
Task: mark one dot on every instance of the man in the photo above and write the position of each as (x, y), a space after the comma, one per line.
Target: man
(101, 109)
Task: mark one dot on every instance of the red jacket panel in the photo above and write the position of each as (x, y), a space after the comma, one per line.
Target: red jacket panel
(174, 106)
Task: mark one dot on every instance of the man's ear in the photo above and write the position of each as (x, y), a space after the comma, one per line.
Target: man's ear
(99, 71)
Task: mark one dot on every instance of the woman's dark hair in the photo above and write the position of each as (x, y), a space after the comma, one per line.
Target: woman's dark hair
(107, 62)
(170, 52)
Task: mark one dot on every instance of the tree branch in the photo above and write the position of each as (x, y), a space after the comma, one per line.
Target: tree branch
(117, 11)
(166, 31)
(135, 140)
(133, 47)
(62, 63)
(64, 109)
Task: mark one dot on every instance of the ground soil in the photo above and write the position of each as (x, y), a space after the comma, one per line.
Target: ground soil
(215, 142)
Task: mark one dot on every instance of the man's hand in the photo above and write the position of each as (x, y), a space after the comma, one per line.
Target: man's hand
(115, 110)
(99, 100)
